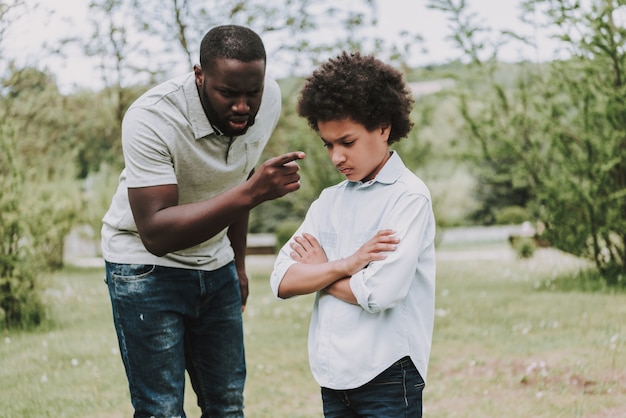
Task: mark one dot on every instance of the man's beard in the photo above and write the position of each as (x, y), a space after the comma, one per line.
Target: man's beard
(221, 126)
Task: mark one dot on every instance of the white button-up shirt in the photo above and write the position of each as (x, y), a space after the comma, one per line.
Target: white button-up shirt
(350, 344)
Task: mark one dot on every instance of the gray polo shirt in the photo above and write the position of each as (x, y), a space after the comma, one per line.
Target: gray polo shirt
(167, 139)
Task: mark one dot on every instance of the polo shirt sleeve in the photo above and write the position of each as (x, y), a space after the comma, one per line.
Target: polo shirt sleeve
(383, 284)
(146, 155)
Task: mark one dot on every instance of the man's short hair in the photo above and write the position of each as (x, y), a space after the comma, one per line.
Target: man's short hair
(231, 42)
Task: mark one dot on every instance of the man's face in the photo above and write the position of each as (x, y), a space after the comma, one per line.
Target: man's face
(356, 152)
(231, 92)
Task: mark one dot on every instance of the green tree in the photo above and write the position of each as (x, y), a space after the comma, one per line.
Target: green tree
(305, 32)
(558, 134)
(20, 293)
(586, 199)
(44, 156)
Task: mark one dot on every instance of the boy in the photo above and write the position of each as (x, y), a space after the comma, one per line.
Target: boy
(366, 247)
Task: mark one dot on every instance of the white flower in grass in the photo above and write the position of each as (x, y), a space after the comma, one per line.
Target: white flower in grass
(74, 362)
(43, 379)
(441, 312)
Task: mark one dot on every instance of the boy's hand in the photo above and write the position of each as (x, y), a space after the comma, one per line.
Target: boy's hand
(307, 250)
(374, 249)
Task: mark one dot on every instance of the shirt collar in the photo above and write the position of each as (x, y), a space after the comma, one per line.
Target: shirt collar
(199, 121)
(391, 171)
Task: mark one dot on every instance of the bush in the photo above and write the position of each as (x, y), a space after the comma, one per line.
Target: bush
(20, 302)
(284, 231)
(524, 247)
(589, 280)
(511, 215)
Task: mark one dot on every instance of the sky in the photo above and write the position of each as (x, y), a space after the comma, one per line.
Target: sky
(26, 40)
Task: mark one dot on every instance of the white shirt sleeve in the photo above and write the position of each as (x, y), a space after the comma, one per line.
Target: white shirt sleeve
(383, 284)
(283, 259)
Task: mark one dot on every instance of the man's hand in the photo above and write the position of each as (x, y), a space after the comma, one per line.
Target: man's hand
(276, 177)
(307, 250)
(243, 285)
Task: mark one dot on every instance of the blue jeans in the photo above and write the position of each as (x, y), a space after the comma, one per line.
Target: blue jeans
(169, 320)
(395, 393)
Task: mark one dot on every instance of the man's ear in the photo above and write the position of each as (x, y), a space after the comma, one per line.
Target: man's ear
(197, 71)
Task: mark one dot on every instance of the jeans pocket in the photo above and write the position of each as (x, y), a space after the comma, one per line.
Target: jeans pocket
(130, 272)
(417, 380)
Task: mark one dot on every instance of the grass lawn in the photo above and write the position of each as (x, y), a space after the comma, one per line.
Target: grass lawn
(503, 347)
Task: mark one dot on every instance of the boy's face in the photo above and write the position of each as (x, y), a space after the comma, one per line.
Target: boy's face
(358, 153)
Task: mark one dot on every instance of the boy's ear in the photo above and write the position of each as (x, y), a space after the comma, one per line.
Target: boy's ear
(385, 129)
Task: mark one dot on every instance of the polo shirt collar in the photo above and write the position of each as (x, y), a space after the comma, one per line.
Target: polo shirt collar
(199, 121)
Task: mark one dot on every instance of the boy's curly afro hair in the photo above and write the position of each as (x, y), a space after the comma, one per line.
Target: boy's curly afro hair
(361, 88)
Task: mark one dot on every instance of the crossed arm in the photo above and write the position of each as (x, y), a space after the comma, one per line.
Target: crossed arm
(313, 271)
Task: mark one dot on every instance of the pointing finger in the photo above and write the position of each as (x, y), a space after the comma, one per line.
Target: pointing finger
(287, 158)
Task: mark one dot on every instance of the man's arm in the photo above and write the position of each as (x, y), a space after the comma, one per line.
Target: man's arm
(164, 226)
(238, 237)
(314, 272)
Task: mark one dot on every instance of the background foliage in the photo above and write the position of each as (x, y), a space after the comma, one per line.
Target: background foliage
(554, 141)
(500, 142)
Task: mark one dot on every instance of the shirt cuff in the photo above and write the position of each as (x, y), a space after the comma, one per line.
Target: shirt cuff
(280, 269)
(361, 292)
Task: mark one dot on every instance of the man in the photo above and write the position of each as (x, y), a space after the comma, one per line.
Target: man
(174, 238)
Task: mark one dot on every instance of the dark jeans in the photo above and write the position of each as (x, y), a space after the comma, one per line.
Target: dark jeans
(168, 320)
(395, 393)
